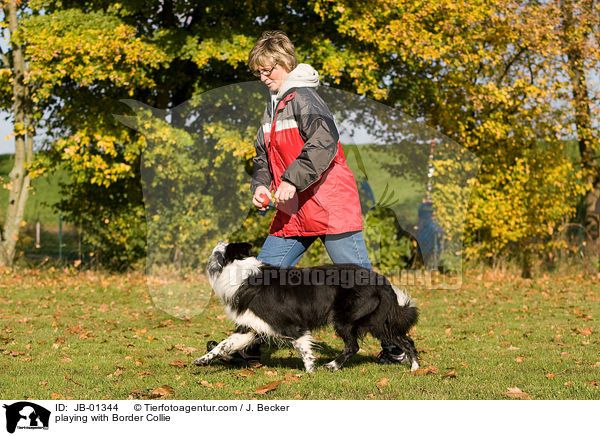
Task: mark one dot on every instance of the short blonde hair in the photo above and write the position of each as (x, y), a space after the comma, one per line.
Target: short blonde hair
(273, 47)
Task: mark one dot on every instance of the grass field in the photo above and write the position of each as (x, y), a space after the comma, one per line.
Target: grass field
(88, 335)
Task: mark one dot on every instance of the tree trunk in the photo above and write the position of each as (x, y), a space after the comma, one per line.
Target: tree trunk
(575, 51)
(18, 177)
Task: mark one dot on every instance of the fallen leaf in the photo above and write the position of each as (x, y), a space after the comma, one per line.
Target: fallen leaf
(550, 375)
(86, 335)
(383, 382)
(140, 393)
(289, 378)
(451, 374)
(182, 347)
(520, 359)
(581, 314)
(517, 393)
(423, 371)
(592, 383)
(268, 387)
(245, 373)
(178, 363)
(163, 391)
(585, 332)
(77, 329)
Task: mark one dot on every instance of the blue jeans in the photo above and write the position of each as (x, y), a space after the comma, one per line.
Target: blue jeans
(343, 248)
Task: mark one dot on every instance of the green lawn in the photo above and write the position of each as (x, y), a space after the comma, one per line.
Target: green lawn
(89, 335)
(388, 187)
(44, 194)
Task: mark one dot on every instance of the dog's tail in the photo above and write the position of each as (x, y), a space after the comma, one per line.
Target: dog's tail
(402, 314)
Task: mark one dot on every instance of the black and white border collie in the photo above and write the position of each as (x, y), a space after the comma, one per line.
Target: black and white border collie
(288, 303)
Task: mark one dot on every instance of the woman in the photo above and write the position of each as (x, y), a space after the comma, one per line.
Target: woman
(300, 158)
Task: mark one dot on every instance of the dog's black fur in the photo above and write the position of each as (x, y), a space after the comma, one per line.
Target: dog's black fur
(291, 309)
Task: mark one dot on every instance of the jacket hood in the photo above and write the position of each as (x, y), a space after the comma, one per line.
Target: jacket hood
(303, 76)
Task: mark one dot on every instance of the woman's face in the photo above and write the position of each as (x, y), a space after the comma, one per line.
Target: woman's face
(276, 78)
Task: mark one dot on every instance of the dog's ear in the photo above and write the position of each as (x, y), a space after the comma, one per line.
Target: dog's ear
(237, 250)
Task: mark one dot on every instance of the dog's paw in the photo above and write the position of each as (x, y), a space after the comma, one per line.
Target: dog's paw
(331, 366)
(201, 361)
(414, 366)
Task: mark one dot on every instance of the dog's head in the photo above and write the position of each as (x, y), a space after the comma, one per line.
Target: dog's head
(224, 253)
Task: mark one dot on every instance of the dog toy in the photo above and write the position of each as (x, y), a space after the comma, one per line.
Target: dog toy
(264, 200)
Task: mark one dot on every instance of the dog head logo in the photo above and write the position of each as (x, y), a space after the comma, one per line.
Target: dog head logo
(26, 415)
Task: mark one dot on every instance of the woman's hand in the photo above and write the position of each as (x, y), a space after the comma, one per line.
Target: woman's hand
(259, 193)
(285, 192)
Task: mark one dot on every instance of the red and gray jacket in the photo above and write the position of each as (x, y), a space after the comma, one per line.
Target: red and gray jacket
(298, 142)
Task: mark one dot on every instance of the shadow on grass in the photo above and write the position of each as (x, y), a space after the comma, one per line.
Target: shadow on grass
(293, 362)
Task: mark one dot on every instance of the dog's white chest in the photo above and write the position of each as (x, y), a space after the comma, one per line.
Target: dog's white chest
(250, 320)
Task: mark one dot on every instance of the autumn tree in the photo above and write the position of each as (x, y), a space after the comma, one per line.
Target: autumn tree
(487, 75)
(578, 34)
(18, 99)
(86, 57)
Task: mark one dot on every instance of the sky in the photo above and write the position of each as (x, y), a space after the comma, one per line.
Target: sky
(7, 146)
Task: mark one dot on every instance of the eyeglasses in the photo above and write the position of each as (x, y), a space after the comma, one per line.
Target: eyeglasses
(265, 73)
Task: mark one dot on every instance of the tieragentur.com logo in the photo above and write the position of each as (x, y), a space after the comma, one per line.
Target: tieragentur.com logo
(26, 416)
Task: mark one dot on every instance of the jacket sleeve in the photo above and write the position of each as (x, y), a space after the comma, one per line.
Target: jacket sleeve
(261, 173)
(317, 128)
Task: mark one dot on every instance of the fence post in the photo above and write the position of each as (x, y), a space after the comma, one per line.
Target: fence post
(37, 234)
(60, 236)
(580, 234)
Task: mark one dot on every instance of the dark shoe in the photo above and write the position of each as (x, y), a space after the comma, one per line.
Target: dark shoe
(247, 357)
(391, 356)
